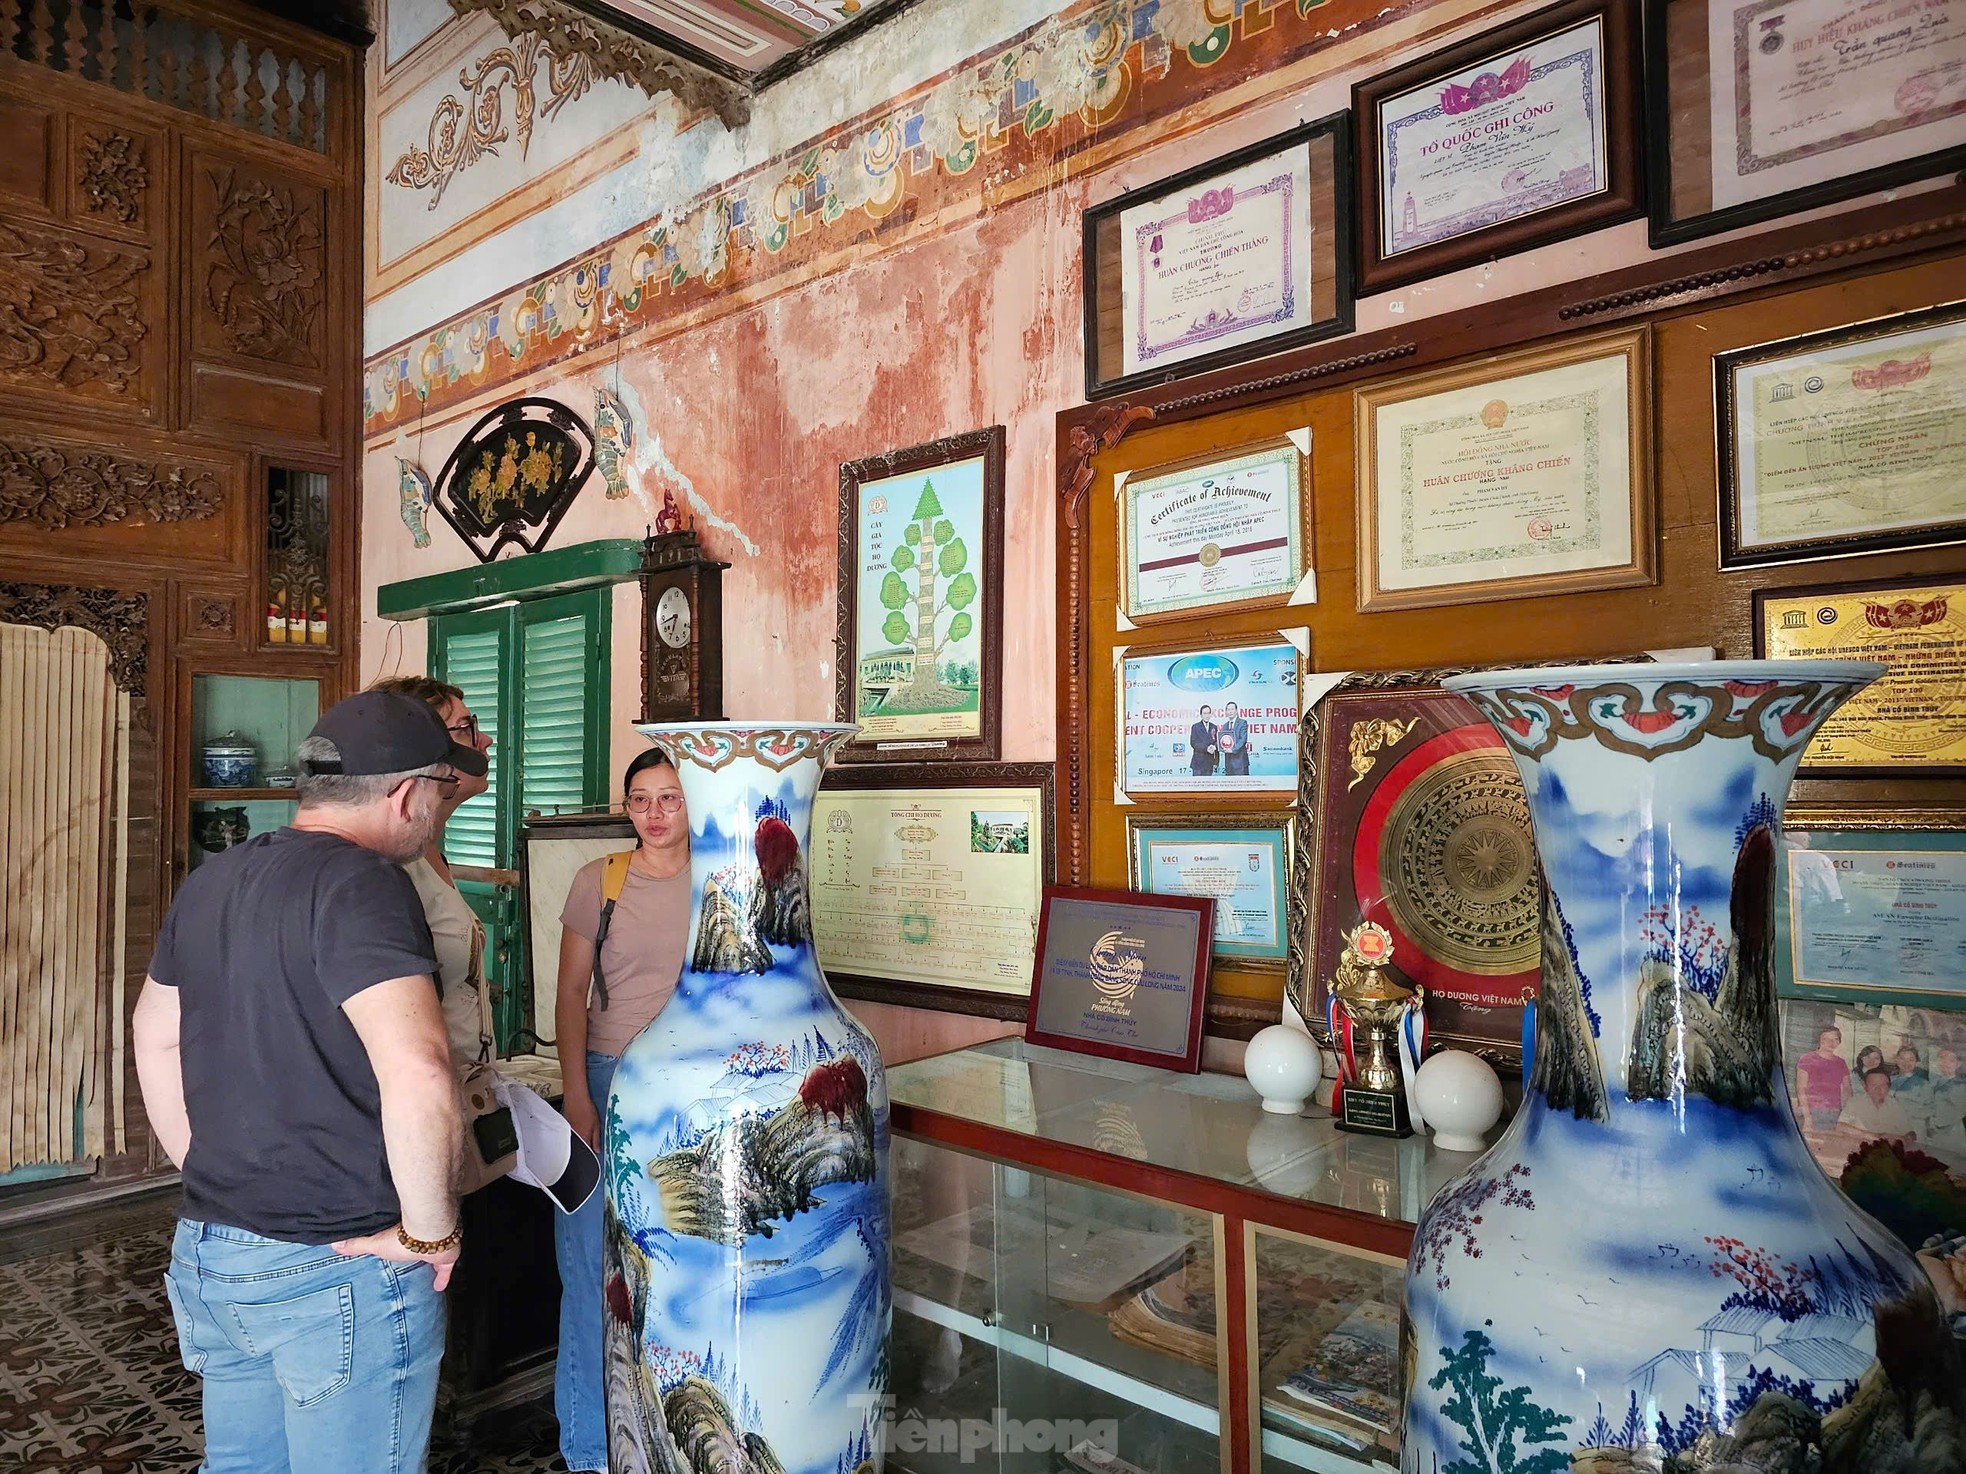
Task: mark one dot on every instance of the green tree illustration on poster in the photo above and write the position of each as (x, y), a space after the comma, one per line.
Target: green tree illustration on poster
(1495, 1425)
(918, 602)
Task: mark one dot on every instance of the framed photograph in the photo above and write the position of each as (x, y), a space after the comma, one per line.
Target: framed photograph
(1871, 1084)
(1221, 533)
(920, 644)
(1511, 140)
(551, 852)
(1514, 477)
(1245, 255)
(1847, 441)
(926, 884)
(1122, 975)
(1411, 815)
(1239, 861)
(1209, 721)
(1873, 915)
(1760, 108)
(1912, 720)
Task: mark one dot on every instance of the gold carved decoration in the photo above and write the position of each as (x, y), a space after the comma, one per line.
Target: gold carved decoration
(113, 175)
(264, 283)
(1366, 740)
(53, 489)
(69, 311)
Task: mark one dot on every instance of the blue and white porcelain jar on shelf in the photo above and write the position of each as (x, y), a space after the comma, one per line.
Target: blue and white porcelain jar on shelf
(228, 761)
(1649, 1272)
(745, 1154)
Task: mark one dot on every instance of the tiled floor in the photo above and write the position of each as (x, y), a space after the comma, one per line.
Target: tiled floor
(90, 1381)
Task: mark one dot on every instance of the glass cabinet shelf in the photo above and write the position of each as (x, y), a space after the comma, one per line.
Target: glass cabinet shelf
(1113, 1269)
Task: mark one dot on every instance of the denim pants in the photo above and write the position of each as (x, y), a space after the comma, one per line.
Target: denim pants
(313, 1363)
(579, 1384)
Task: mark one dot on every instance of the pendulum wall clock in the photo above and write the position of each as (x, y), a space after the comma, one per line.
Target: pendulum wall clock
(682, 630)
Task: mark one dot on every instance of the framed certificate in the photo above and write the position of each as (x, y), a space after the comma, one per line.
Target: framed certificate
(1222, 534)
(1911, 721)
(1219, 721)
(1760, 108)
(1847, 441)
(919, 653)
(1242, 256)
(1513, 477)
(1240, 861)
(926, 882)
(1122, 975)
(1872, 915)
(1516, 138)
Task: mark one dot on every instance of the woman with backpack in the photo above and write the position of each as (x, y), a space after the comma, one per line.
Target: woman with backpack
(623, 934)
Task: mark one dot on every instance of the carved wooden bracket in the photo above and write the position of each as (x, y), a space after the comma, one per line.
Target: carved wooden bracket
(121, 621)
(1105, 428)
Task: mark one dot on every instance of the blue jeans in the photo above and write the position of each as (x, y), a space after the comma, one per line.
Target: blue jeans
(580, 1396)
(313, 1363)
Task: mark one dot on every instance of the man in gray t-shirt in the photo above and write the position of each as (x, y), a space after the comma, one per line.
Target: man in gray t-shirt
(294, 1064)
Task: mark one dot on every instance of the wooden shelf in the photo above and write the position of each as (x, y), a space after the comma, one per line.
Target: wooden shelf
(240, 795)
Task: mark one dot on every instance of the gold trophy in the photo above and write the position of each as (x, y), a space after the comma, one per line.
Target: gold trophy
(1373, 1099)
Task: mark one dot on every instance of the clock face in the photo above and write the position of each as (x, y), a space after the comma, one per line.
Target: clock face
(672, 617)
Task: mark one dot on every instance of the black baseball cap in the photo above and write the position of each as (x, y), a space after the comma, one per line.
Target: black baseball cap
(385, 732)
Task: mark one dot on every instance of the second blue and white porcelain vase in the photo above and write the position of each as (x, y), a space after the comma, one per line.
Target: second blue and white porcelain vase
(1649, 1271)
(746, 1155)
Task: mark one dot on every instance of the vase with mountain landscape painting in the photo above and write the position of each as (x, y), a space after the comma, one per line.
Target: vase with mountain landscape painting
(1649, 1271)
(745, 1155)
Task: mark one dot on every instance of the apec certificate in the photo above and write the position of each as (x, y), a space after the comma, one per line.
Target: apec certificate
(1805, 91)
(1225, 533)
(1870, 918)
(1495, 142)
(1507, 478)
(1221, 264)
(1855, 439)
(929, 885)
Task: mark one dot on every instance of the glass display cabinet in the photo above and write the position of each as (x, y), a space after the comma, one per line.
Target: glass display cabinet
(239, 758)
(1106, 1267)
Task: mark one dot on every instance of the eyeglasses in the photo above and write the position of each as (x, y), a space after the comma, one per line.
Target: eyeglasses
(447, 781)
(468, 728)
(641, 803)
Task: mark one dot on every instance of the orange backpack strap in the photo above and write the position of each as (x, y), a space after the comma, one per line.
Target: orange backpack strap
(614, 880)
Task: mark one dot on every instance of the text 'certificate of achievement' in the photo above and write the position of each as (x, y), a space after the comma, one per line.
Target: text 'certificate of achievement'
(1857, 439)
(1806, 91)
(1217, 265)
(1495, 142)
(1226, 533)
(941, 886)
(1861, 919)
(1214, 721)
(1506, 479)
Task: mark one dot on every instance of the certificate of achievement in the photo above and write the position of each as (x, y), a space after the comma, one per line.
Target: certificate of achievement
(929, 886)
(1223, 263)
(1849, 437)
(1227, 533)
(1241, 871)
(1865, 918)
(1521, 133)
(1915, 715)
(1214, 721)
(1806, 91)
(1505, 479)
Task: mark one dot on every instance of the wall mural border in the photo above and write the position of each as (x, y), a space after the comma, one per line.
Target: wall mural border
(1094, 73)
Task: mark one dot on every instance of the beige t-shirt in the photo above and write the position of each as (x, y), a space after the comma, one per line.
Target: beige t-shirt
(460, 941)
(643, 954)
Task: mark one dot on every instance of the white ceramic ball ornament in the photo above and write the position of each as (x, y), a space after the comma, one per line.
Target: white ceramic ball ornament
(1459, 1097)
(1282, 1063)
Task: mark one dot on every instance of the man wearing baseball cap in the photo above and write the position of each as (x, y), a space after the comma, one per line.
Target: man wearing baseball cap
(294, 1064)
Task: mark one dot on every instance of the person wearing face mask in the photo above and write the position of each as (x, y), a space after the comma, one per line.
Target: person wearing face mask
(623, 935)
(292, 1057)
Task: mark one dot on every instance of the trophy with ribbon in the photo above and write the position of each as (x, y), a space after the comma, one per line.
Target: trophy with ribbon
(1368, 1006)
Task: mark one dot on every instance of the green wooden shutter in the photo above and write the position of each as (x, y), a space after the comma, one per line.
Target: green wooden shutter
(563, 703)
(471, 651)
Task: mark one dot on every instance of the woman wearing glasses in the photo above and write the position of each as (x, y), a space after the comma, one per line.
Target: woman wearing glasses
(454, 926)
(641, 938)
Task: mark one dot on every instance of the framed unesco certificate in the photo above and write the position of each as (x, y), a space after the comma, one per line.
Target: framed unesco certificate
(1226, 533)
(1122, 975)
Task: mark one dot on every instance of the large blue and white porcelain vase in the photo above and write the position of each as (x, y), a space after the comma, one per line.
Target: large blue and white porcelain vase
(746, 1155)
(1649, 1271)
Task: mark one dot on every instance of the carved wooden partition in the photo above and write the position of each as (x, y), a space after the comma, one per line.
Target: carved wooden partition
(180, 277)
